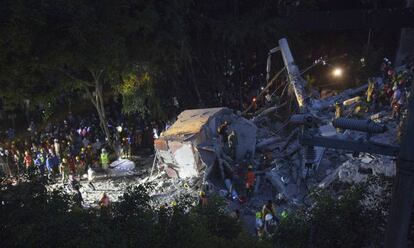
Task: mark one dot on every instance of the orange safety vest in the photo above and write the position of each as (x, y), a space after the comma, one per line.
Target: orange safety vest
(250, 179)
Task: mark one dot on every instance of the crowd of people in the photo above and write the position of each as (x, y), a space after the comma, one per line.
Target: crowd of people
(72, 146)
(389, 91)
(396, 85)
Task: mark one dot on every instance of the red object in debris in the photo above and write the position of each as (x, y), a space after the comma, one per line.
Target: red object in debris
(254, 99)
(242, 199)
(250, 179)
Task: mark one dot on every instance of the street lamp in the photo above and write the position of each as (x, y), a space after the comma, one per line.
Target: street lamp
(337, 72)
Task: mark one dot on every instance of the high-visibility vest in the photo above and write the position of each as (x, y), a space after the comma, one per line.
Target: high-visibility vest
(104, 158)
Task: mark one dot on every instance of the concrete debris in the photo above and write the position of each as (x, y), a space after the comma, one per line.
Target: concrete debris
(378, 115)
(348, 173)
(323, 104)
(268, 142)
(332, 176)
(367, 159)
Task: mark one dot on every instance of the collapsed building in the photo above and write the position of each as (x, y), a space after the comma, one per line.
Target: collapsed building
(191, 147)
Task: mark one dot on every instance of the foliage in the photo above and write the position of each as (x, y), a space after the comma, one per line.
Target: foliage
(191, 49)
(31, 216)
(53, 46)
(138, 94)
(333, 221)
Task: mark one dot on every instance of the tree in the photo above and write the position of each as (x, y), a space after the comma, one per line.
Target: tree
(85, 46)
(334, 221)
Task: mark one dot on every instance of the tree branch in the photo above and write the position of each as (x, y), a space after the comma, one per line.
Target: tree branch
(84, 82)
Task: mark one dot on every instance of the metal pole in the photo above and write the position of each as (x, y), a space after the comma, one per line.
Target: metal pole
(403, 195)
(295, 79)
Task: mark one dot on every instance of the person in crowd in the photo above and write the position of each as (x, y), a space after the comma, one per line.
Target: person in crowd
(64, 170)
(104, 159)
(397, 101)
(27, 160)
(250, 180)
(232, 144)
(56, 147)
(222, 131)
(202, 200)
(80, 166)
(268, 208)
(104, 202)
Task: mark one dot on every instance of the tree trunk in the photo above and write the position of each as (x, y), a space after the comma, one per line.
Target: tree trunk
(97, 100)
(100, 108)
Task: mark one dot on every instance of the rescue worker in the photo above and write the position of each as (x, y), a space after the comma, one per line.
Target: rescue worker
(42, 158)
(11, 163)
(91, 177)
(338, 113)
(232, 144)
(370, 90)
(396, 102)
(82, 154)
(104, 203)
(56, 147)
(268, 208)
(77, 198)
(27, 160)
(266, 159)
(270, 224)
(80, 166)
(69, 148)
(4, 165)
(338, 110)
(89, 156)
(202, 201)
(235, 215)
(71, 164)
(52, 163)
(64, 170)
(250, 180)
(222, 131)
(126, 148)
(39, 162)
(104, 159)
(259, 225)
(383, 96)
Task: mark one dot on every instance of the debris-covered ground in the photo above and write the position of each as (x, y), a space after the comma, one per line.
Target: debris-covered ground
(129, 173)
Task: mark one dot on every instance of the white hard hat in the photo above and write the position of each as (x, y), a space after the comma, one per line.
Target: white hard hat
(268, 217)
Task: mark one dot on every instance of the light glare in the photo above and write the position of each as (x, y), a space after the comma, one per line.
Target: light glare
(337, 72)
